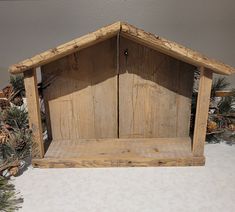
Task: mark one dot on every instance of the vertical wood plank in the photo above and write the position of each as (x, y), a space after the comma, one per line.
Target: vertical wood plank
(82, 93)
(30, 81)
(154, 93)
(203, 102)
(184, 86)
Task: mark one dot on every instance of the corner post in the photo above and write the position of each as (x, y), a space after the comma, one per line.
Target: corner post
(35, 124)
(203, 101)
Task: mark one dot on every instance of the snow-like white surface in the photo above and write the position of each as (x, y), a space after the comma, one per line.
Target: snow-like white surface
(210, 188)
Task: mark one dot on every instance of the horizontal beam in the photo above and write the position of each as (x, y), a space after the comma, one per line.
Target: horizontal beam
(160, 44)
(130, 152)
(224, 93)
(134, 162)
(175, 50)
(66, 49)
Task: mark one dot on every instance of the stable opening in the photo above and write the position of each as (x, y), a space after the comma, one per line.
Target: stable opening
(118, 99)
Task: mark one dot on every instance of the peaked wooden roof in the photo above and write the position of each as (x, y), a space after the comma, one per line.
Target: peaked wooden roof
(165, 46)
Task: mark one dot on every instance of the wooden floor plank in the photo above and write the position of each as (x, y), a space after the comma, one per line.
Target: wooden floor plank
(119, 153)
(133, 162)
(133, 152)
(119, 148)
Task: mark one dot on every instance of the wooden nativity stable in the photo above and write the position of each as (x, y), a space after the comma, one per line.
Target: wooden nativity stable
(119, 97)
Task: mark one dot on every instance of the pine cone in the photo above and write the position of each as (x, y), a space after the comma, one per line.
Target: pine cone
(211, 126)
(2, 139)
(7, 91)
(13, 170)
(20, 144)
(18, 101)
(4, 103)
(231, 127)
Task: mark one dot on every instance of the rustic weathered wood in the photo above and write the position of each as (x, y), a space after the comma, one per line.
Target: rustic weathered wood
(132, 162)
(202, 111)
(154, 93)
(224, 93)
(119, 97)
(82, 97)
(120, 153)
(175, 50)
(168, 47)
(30, 81)
(118, 148)
(67, 48)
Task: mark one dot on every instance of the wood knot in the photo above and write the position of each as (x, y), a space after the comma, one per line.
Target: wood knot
(54, 50)
(156, 150)
(75, 46)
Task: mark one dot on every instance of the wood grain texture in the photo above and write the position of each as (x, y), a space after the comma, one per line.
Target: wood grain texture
(133, 162)
(163, 45)
(120, 153)
(67, 48)
(82, 93)
(30, 82)
(202, 111)
(119, 148)
(224, 93)
(175, 50)
(154, 93)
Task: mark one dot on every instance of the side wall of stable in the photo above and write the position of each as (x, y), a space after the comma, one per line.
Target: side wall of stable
(117, 89)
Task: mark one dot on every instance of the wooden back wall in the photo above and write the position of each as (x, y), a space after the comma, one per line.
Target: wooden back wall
(117, 89)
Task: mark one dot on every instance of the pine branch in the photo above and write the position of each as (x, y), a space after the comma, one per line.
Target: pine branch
(227, 104)
(17, 82)
(14, 117)
(219, 84)
(8, 196)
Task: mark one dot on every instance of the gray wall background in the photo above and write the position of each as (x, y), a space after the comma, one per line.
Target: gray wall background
(30, 27)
